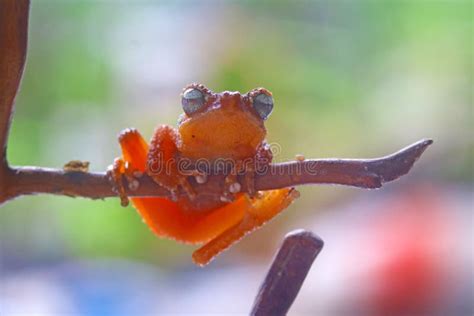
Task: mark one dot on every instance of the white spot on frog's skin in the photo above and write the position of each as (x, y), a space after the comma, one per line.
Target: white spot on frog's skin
(174, 195)
(300, 157)
(133, 185)
(201, 178)
(234, 187)
(225, 199)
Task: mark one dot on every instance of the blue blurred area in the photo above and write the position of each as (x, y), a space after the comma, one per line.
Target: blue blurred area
(350, 79)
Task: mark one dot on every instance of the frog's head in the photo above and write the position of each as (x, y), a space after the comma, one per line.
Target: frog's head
(223, 125)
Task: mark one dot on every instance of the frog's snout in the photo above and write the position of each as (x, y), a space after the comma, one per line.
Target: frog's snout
(230, 99)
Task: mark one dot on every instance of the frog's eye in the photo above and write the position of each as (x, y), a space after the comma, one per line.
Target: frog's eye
(263, 105)
(193, 100)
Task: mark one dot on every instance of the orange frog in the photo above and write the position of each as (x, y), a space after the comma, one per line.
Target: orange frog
(216, 129)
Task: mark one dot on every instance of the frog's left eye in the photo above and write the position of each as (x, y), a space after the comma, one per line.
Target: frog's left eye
(193, 100)
(263, 105)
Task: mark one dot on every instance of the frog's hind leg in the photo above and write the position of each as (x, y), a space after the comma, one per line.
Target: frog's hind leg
(134, 149)
(134, 157)
(162, 162)
(163, 216)
(260, 210)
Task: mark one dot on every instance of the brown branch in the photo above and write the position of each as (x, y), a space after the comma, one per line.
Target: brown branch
(369, 174)
(287, 273)
(13, 40)
(19, 181)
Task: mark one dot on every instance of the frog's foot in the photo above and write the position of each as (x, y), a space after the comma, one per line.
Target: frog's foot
(116, 172)
(258, 211)
(232, 186)
(173, 182)
(260, 163)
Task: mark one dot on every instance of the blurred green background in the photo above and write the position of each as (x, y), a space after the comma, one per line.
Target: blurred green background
(350, 79)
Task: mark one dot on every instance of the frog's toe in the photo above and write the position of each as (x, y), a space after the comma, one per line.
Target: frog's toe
(115, 173)
(188, 189)
(249, 179)
(231, 188)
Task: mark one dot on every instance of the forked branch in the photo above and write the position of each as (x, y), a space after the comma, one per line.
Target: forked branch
(18, 181)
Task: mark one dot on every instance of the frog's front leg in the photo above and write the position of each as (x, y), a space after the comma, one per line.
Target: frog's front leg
(162, 162)
(247, 167)
(261, 162)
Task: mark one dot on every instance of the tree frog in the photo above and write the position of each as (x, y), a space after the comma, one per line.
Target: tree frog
(216, 129)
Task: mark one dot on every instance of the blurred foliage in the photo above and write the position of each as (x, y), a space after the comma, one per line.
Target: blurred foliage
(350, 79)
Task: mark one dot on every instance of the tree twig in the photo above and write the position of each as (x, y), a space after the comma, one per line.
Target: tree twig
(287, 273)
(13, 41)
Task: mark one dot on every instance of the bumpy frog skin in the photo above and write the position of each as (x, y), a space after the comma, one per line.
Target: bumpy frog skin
(214, 126)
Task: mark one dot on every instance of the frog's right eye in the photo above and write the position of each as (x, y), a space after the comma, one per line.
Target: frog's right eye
(193, 100)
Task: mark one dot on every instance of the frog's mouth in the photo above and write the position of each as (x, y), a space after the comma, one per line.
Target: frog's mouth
(221, 133)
